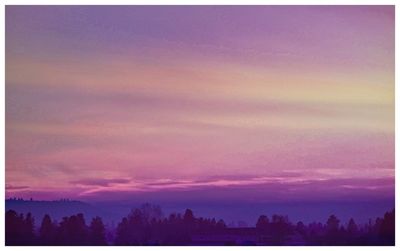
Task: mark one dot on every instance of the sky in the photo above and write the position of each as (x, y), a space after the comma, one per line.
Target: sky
(232, 103)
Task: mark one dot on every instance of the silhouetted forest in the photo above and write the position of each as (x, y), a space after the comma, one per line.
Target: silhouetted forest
(147, 226)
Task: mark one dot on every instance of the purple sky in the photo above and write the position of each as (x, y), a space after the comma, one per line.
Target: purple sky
(276, 103)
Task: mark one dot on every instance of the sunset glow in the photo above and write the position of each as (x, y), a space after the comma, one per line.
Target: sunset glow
(107, 103)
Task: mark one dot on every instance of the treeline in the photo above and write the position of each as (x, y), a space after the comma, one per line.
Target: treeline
(147, 226)
(280, 231)
(20, 231)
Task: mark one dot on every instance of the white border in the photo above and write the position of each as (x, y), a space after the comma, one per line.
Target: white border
(177, 2)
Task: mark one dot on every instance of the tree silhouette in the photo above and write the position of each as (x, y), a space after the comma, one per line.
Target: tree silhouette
(352, 227)
(262, 223)
(138, 227)
(149, 212)
(14, 225)
(280, 229)
(73, 231)
(122, 234)
(387, 228)
(29, 229)
(220, 224)
(189, 222)
(47, 231)
(332, 226)
(97, 232)
(137, 221)
(19, 230)
(188, 217)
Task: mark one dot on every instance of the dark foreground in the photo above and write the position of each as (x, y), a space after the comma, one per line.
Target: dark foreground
(147, 226)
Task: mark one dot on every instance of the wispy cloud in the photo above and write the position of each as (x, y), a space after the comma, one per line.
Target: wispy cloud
(12, 187)
(100, 182)
(319, 186)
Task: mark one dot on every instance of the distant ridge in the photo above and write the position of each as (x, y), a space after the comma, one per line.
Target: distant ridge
(56, 208)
